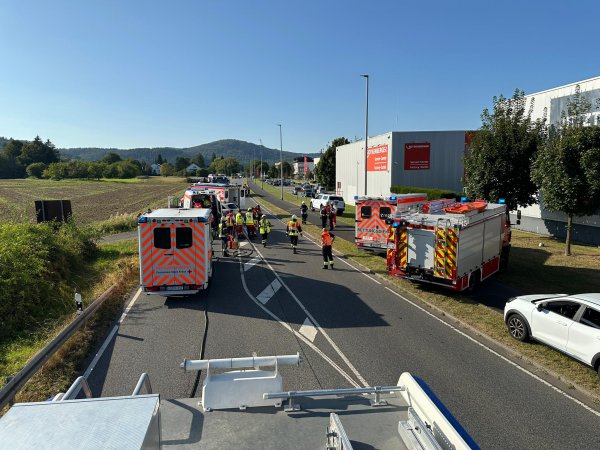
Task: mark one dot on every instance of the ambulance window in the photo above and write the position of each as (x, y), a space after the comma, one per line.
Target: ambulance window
(365, 212)
(162, 238)
(183, 237)
(226, 195)
(384, 212)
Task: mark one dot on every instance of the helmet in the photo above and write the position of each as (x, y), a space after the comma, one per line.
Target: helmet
(294, 217)
(263, 217)
(249, 209)
(223, 219)
(303, 202)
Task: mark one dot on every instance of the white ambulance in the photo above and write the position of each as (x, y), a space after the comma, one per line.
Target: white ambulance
(374, 216)
(175, 246)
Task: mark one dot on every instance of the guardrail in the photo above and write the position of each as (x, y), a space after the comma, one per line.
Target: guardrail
(8, 392)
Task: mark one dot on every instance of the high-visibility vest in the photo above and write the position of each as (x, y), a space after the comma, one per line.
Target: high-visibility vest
(326, 239)
(249, 218)
(222, 230)
(239, 219)
(264, 226)
(229, 219)
(293, 228)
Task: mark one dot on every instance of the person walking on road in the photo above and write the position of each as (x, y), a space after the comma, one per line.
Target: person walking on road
(293, 230)
(304, 212)
(239, 224)
(326, 241)
(224, 235)
(323, 215)
(250, 224)
(264, 228)
(229, 222)
(331, 216)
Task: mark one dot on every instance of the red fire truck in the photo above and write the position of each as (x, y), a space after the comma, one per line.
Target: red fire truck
(456, 245)
(374, 216)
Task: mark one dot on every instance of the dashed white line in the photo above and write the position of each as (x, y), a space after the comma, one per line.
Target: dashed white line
(269, 291)
(251, 263)
(309, 330)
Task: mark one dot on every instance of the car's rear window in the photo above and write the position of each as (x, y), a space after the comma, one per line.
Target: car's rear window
(591, 318)
(333, 197)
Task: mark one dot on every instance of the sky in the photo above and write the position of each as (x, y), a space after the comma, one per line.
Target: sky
(125, 74)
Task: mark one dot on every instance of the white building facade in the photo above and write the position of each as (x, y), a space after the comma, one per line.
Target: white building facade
(427, 159)
(551, 104)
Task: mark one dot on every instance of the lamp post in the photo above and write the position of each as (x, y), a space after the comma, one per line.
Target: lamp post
(280, 160)
(262, 175)
(366, 77)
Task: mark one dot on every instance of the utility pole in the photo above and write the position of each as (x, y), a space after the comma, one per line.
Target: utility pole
(262, 176)
(366, 77)
(280, 160)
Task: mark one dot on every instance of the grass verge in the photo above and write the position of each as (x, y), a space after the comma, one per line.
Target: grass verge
(549, 273)
(116, 264)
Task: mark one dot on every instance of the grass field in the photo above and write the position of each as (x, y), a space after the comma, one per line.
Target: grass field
(91, 201)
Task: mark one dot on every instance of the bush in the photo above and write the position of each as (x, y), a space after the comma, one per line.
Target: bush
(36, 262)
(116, 224)
(432, 194)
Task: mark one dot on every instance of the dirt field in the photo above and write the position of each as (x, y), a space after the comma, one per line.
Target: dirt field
(91, 201)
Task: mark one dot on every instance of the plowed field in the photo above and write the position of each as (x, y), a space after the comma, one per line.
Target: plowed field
(91, 201)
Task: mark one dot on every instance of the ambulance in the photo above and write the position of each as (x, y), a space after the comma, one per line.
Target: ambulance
(226, 193)
(175, 247)
(455, 245)
(374, 216)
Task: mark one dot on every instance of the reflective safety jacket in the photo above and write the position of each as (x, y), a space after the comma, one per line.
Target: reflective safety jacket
(229, 219)
(249, 218)
(222, 230)
(327, 239)
(293, 228)
(264, 226)
(239, 219)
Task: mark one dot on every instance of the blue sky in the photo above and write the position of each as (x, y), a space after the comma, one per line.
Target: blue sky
(180, 73)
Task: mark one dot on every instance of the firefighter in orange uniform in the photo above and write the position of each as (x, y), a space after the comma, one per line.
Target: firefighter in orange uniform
(327, 239)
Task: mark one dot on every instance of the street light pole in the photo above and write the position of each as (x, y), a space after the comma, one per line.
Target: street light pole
(280, 160)
(366, 77)
(262, 175)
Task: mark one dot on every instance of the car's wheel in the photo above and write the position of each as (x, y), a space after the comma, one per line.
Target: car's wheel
(517, 327)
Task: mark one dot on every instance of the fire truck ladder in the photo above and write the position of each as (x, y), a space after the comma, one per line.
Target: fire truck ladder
(441, 247)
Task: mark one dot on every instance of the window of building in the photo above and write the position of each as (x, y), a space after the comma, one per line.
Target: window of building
(162, 238)
(183, 237)
(365, 212)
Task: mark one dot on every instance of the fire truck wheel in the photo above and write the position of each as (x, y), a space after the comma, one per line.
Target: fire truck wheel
(474, 280)
(517, 327)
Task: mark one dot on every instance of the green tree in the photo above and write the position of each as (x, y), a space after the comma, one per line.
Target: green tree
(167, 170)
(38, 151)
(326, 173)
(199, 160)
(56, 171)
(159, 159)
(111, 158)
(498, 164)
(227, 166)
(287, 169)
(10, 166)
(181, 163)
(36, 170)
(274, 171)
(567, 169)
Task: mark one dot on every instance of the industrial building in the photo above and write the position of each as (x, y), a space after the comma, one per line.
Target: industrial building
(428, 159)
(551, 104)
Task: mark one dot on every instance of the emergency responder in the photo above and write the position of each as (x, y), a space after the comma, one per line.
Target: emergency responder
(224, 235)
(206, 202)
(229, 220)
(327, 239)
(239, 224)
(323, 215)
(304, 212)
(250, 223)
(264, 228)
(331, 216)
(293, 230)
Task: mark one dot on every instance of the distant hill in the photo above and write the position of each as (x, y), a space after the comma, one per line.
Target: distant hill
(228, 148)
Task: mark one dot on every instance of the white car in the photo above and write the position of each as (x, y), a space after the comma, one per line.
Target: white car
(569, 323)
(323, 199)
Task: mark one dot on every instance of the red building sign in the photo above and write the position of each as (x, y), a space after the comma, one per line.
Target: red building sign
(377, 158)
(416, 156)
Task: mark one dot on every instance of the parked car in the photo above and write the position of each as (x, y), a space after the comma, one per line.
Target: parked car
(297, 189)
(569, 323)
(306, 192)
(323, 199)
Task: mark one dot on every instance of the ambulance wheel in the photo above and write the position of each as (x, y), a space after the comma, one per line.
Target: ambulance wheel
(474, 281)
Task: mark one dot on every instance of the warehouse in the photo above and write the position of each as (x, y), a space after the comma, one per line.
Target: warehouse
(428, 159)
(551, 105)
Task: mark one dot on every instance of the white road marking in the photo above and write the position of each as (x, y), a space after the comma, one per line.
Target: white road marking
(243, 243)
(531, 374)
(110, 337)
(296, 333)
(269, 291)
(308, 330)
(251, 263)
(522, 369)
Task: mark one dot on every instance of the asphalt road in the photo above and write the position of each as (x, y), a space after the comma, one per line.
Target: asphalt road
(351, 330)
